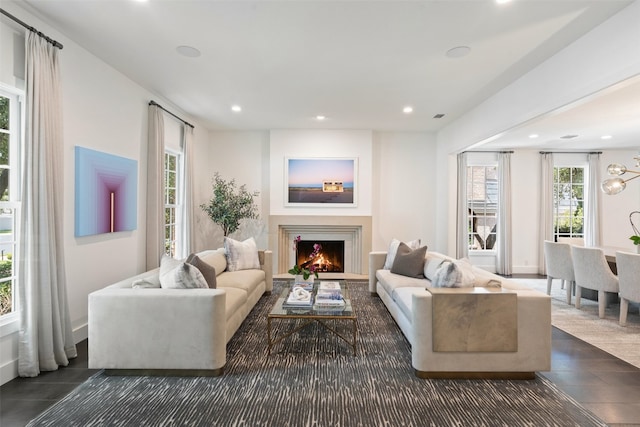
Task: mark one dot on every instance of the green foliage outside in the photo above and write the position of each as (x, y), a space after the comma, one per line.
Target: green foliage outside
(230, 204)
(6, 298)
(4, 149)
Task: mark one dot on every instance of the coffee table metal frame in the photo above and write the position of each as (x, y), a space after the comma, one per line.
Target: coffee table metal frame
(311, 315)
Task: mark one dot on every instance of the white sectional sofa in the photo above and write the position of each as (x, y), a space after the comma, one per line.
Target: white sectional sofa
(182, 331)
(411, 305)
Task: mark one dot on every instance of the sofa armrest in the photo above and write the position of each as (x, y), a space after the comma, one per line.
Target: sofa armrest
(157, 329)
(266, 265)
(376, 262)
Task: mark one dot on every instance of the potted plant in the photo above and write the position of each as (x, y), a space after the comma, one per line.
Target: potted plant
(635, 238)
(304, 271)
(230, 204)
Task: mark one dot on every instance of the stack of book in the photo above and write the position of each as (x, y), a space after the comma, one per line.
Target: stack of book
(329, 295)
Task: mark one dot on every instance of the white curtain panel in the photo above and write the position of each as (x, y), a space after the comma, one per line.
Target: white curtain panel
(186, 232)
(546, 207)
(155, 188)
(462, 214)
(592, 233)
(45, 337)
(504, 248)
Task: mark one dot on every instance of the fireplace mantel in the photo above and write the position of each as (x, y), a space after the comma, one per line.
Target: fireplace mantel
(356, 231)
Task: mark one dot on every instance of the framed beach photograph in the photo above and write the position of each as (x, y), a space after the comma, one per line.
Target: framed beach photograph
(321, 182)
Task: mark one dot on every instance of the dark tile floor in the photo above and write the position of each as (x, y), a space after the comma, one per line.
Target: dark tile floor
(605, 385)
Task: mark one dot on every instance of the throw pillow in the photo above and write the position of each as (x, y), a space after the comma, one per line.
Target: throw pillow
(454, 274)
(208, 271)
(447, 275)
(409, 262)
(241, 255)
(393, 249)
(431, 265)
(143, 284)
(175, 274)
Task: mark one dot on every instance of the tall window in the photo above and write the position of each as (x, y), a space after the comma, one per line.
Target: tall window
(171, 204)
(568, 202)
(482, 202)
(9, 197)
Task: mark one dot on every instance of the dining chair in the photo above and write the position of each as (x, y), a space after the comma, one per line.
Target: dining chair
(557, 257)
(629, 277)
(592, 272)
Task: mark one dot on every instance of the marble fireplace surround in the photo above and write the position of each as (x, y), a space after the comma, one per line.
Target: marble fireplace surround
(354, 230)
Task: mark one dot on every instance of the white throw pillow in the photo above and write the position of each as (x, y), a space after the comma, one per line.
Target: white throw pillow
(176, 274)
(456, 274)
(393, 250)
(241, 255)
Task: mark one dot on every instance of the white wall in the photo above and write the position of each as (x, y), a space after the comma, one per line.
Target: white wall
(404, 188)
(102, 110)
(240, 155)
(320, 143)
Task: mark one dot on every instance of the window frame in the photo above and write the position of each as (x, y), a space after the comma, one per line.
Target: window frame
(172, 239)
(485, 163)
(556, 200)
(9, 322)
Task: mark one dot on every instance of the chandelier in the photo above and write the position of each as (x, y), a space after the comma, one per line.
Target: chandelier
(616, 185)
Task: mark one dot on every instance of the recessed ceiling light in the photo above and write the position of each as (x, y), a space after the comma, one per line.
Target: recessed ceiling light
(533, 136)
(458, 52)
(502, 1)
(438, 116)
(606, 137)
(320, 118)
(236, 108)
(188, 51)
(569, 136)
(408, 109)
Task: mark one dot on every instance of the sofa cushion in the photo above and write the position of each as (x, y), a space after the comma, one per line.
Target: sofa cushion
(207, 270)
(247, 280)
(175, 274)
(403, 297)
(393, 249)
(215, 258)
(485, 279)
(241, 255)
(235, 299)
(390, 281)
(409, 262)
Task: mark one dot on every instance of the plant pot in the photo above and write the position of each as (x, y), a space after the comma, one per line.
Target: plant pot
(300, 279)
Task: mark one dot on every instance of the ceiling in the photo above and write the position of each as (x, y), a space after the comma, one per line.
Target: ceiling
(356, 62)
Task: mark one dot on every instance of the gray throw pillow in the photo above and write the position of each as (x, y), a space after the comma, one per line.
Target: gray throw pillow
(447, 276)
(207, 270)
(393, 250)
(409, 262)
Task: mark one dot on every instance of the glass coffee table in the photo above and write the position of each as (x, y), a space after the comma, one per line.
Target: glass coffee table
(312, 314)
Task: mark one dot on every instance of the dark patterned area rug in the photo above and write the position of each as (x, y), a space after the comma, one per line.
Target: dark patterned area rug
(312, 379)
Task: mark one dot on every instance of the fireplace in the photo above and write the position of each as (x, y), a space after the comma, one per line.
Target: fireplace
(329, 259)
(354, 231)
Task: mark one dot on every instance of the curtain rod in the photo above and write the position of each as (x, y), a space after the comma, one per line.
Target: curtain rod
(164, 109)
(480, 151)
(32, 29)
(570, 152)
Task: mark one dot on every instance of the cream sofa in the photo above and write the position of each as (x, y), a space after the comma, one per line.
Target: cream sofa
(411, 305)
(184, 331)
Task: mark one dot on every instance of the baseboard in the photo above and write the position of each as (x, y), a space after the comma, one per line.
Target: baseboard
(9, 370)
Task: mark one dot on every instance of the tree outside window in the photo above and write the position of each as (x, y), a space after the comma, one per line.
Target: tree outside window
(171, 205)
